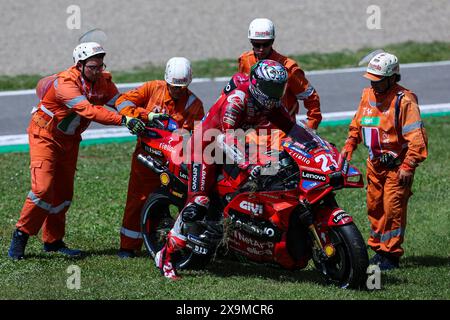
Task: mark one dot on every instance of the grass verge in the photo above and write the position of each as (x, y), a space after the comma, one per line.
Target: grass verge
(407, 52)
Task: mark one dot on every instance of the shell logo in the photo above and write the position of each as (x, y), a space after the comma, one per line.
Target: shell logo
(165, 179)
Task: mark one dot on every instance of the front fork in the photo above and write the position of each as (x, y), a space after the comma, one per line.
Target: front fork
(307, 218)
(323, 215)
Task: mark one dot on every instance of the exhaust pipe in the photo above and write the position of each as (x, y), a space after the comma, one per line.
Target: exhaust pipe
(150, 163)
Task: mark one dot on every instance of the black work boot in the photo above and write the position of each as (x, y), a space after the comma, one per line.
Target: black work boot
(18, 243)
(60, 246)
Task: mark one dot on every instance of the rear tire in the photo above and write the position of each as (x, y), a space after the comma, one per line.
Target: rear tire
(348, 266)
(157, 218)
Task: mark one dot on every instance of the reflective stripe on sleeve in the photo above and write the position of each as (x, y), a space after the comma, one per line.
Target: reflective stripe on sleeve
(125, 104)
(75, 100)
(412, 126)
(111, 102)
(305, 94)
(190, 101)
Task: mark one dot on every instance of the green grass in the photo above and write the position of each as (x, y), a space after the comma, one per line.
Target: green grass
(94, 219)
(407, 52)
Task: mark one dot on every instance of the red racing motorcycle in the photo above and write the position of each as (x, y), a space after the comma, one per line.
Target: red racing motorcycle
(286, 218)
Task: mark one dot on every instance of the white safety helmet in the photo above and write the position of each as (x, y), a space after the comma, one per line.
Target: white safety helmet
(261, 29)
(86, 50)
(382, 65)
(178, 72)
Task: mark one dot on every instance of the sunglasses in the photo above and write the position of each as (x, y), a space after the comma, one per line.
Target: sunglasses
(99, 68)
(261, 44)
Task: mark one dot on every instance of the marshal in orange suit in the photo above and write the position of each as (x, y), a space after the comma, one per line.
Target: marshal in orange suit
(388, 121)
(153, 100)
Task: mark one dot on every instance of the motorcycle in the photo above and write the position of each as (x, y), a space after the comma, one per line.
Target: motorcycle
(285, 219)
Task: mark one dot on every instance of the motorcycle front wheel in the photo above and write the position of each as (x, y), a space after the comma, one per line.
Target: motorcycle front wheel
(347, 267)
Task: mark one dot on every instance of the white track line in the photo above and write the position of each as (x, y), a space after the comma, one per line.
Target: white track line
(224, 79)
(22, 139)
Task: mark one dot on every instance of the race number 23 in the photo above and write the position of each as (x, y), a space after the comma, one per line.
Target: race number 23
(326, 161)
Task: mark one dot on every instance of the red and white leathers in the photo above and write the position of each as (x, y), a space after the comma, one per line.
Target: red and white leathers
(152, 96)
(68, 105)
(387, 199)
(298, 87)
(235, 109)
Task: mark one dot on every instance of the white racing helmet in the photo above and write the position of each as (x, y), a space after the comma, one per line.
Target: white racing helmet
(261, 29)
(87, 50)
(178, 72)
(382, 65)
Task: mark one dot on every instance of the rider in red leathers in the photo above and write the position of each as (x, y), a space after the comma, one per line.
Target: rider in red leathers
(246, 102)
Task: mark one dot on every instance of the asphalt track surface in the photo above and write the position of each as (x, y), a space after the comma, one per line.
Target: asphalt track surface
(339, 91)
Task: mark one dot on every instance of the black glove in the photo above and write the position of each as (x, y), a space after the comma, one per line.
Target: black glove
(389, 161)
(135, 125)
(157, 116)
(195, 210)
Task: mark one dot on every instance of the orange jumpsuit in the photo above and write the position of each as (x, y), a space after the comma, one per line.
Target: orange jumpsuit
(66, 109)
(152, 96)
(375, 123)
(298, 87)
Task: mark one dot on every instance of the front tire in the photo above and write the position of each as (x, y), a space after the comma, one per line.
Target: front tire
(348, 266)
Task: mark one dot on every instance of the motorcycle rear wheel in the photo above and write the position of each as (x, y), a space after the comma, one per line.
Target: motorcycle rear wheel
(157, 218)
(348, 266)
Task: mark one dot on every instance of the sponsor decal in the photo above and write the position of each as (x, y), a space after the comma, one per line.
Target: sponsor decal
(177, 194)
(298, 148)
(374, 66)
(340, 215)
(306, 154)
(153, 151)
(183, 175)
(195, 176)
(254, 243)
(179, 80)
(202, 184)
(172, 125)
(370, 121)
(237, 98)
(299, 156)
(97, 49)
(308, 185)
(165, 179)
(196, 245)
(368, 111)
(259, 252)
(167, 147)
(313, 176)
(256, 209)
(262, 33)
(229, 87)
